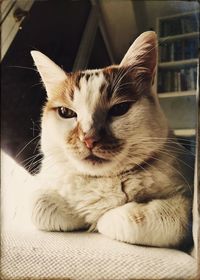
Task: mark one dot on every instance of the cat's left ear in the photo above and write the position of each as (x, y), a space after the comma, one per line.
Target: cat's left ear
(52, 75)
(142, 53)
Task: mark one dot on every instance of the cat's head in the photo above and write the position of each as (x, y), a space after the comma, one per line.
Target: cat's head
(103, 121)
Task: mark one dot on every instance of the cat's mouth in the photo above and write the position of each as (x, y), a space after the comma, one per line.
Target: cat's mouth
(95, 160)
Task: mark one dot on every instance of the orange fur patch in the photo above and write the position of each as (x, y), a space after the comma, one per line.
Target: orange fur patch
(137, 216)
(74, 135)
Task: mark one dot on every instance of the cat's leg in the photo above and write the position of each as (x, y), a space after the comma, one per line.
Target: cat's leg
(51, 212)
(161, 223)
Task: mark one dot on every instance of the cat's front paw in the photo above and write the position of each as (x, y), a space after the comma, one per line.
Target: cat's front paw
(50, 212)
(112, 224)
(122, 223)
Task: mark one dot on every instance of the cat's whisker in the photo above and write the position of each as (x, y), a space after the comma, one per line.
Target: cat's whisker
(117, 79)
(115, 83)
(36, 124)
(176, 158)
(122, 86)
(34, 165)
(121, 75)
(34, 162)
(36, 147)
(185, 180)
(35, 129)
(164, 141)
(28, 160)
(33, 158)
(26, 146)
(169, 143)
(37, 84)
(143, 168)
(175, 138)
(157, 168)
(177, 150)
(171, 148)
(167, 138)
(22, 67)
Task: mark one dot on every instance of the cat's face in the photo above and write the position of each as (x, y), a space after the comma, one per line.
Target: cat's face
(102, 121)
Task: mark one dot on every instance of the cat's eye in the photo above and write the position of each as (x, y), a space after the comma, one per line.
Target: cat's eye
(119, 109)
(66, 113)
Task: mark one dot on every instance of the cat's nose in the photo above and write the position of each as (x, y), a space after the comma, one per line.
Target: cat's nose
(90, 141)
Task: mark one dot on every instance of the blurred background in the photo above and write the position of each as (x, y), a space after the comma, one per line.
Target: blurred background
(80, 34)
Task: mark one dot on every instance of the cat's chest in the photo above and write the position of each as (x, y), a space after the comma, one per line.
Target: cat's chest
(90, 197)
(93, 196)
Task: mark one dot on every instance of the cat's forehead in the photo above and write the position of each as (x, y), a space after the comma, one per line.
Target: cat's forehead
(88, 77)
(97, 82)
(89, 87)
(86, 84)
(94, 76)
(83, 86)
(98, 86)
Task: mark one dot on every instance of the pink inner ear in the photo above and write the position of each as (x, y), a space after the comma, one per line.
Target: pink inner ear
(143, 52)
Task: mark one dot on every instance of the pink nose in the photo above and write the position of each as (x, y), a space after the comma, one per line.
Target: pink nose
(89, 142)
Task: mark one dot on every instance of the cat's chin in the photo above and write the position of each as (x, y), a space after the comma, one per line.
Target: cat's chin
(95, 160)
(93, 166)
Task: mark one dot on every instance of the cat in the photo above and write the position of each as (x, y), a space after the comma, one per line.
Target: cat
(110, 159)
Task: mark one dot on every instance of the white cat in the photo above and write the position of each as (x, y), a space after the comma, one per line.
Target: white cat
(110, 159)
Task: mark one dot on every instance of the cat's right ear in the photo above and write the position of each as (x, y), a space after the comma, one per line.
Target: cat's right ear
(142, 53)
(52, 75)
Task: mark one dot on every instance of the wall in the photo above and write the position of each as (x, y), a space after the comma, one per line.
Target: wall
(125, 19)
(163, 8)
(120, 24)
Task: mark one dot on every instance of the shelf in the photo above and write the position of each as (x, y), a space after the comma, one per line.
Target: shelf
(184, 132)
(179, 106)
(177, 94)
(179, 63)
(178, 37)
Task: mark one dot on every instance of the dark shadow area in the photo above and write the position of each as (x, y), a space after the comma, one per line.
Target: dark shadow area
(54, 28)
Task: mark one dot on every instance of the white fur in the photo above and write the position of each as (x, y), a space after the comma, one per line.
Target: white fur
(73, 193)
(86, 100)
(155, 224)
